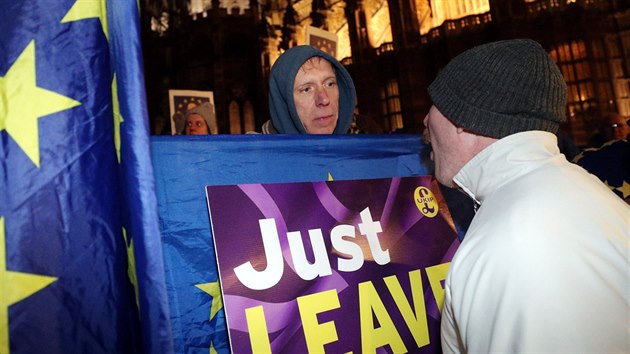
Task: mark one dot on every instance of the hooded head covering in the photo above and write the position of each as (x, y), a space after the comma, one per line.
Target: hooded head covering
(501, 88)
(284, 116)
(207, 112)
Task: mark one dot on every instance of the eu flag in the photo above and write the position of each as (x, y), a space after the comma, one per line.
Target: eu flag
(80, 258)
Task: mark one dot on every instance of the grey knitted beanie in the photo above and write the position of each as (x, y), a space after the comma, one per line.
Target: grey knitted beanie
(501, 88)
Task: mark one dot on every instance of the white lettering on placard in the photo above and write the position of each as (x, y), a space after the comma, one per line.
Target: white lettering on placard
(347, 247)
(271, 275)
(309, 271)
(371, 229)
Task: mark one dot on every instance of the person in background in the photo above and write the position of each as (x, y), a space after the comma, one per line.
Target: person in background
(544, 266)
(310, 92)
(613, 126)
(610, 162)
(616, 127)
(200, 120)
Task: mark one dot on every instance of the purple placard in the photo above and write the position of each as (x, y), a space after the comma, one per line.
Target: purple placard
(340, 266)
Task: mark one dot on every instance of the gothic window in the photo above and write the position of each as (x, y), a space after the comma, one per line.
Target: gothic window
(622, 88)
(379, 28)
(234, 6)
(235, 118)
(615, 48)
(441, 10)
(248, 115)
(390, 106)
(623, 103)
(601, 76)
(616, 67)
(575, 66)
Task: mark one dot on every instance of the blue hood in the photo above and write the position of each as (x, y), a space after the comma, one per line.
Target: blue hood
(284, 117)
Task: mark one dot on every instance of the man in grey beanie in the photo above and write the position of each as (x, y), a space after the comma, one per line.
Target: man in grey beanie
(544, 266)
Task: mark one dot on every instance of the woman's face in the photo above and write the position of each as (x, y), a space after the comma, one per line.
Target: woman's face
(196, 125)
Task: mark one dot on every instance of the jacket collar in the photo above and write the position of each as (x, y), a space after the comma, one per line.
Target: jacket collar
(268, 128)
(505, 160)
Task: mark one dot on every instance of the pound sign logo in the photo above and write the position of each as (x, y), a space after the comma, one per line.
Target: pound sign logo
(426, 201)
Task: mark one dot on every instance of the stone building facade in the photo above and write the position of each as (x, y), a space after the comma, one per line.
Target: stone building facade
(392, 48)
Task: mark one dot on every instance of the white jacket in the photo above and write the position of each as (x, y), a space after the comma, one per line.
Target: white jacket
(545, 264)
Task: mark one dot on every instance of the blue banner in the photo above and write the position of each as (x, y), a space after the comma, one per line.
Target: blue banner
(184, 165)
(81, 266)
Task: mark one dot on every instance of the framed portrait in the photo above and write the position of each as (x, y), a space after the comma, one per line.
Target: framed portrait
(322, 40)
(180, 101)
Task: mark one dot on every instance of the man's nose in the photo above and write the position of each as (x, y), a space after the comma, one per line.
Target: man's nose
(321, 97)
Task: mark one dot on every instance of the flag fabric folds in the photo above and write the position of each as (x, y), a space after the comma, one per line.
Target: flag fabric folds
(81, 266)
(184, 165)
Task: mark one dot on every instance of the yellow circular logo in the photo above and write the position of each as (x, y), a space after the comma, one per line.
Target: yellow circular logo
(426, 201)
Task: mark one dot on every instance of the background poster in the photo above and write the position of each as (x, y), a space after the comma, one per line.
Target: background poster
(322, 40)
(180, 101)
(367, 309)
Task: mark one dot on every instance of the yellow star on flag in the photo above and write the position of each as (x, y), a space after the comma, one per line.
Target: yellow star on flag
(84, 9)
(624, 189)
(14, 287)
(131, 266)
(18, 113)
(214, 290)
(118, 119)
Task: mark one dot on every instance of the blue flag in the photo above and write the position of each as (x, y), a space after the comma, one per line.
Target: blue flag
(184, 165)
(80, 258)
